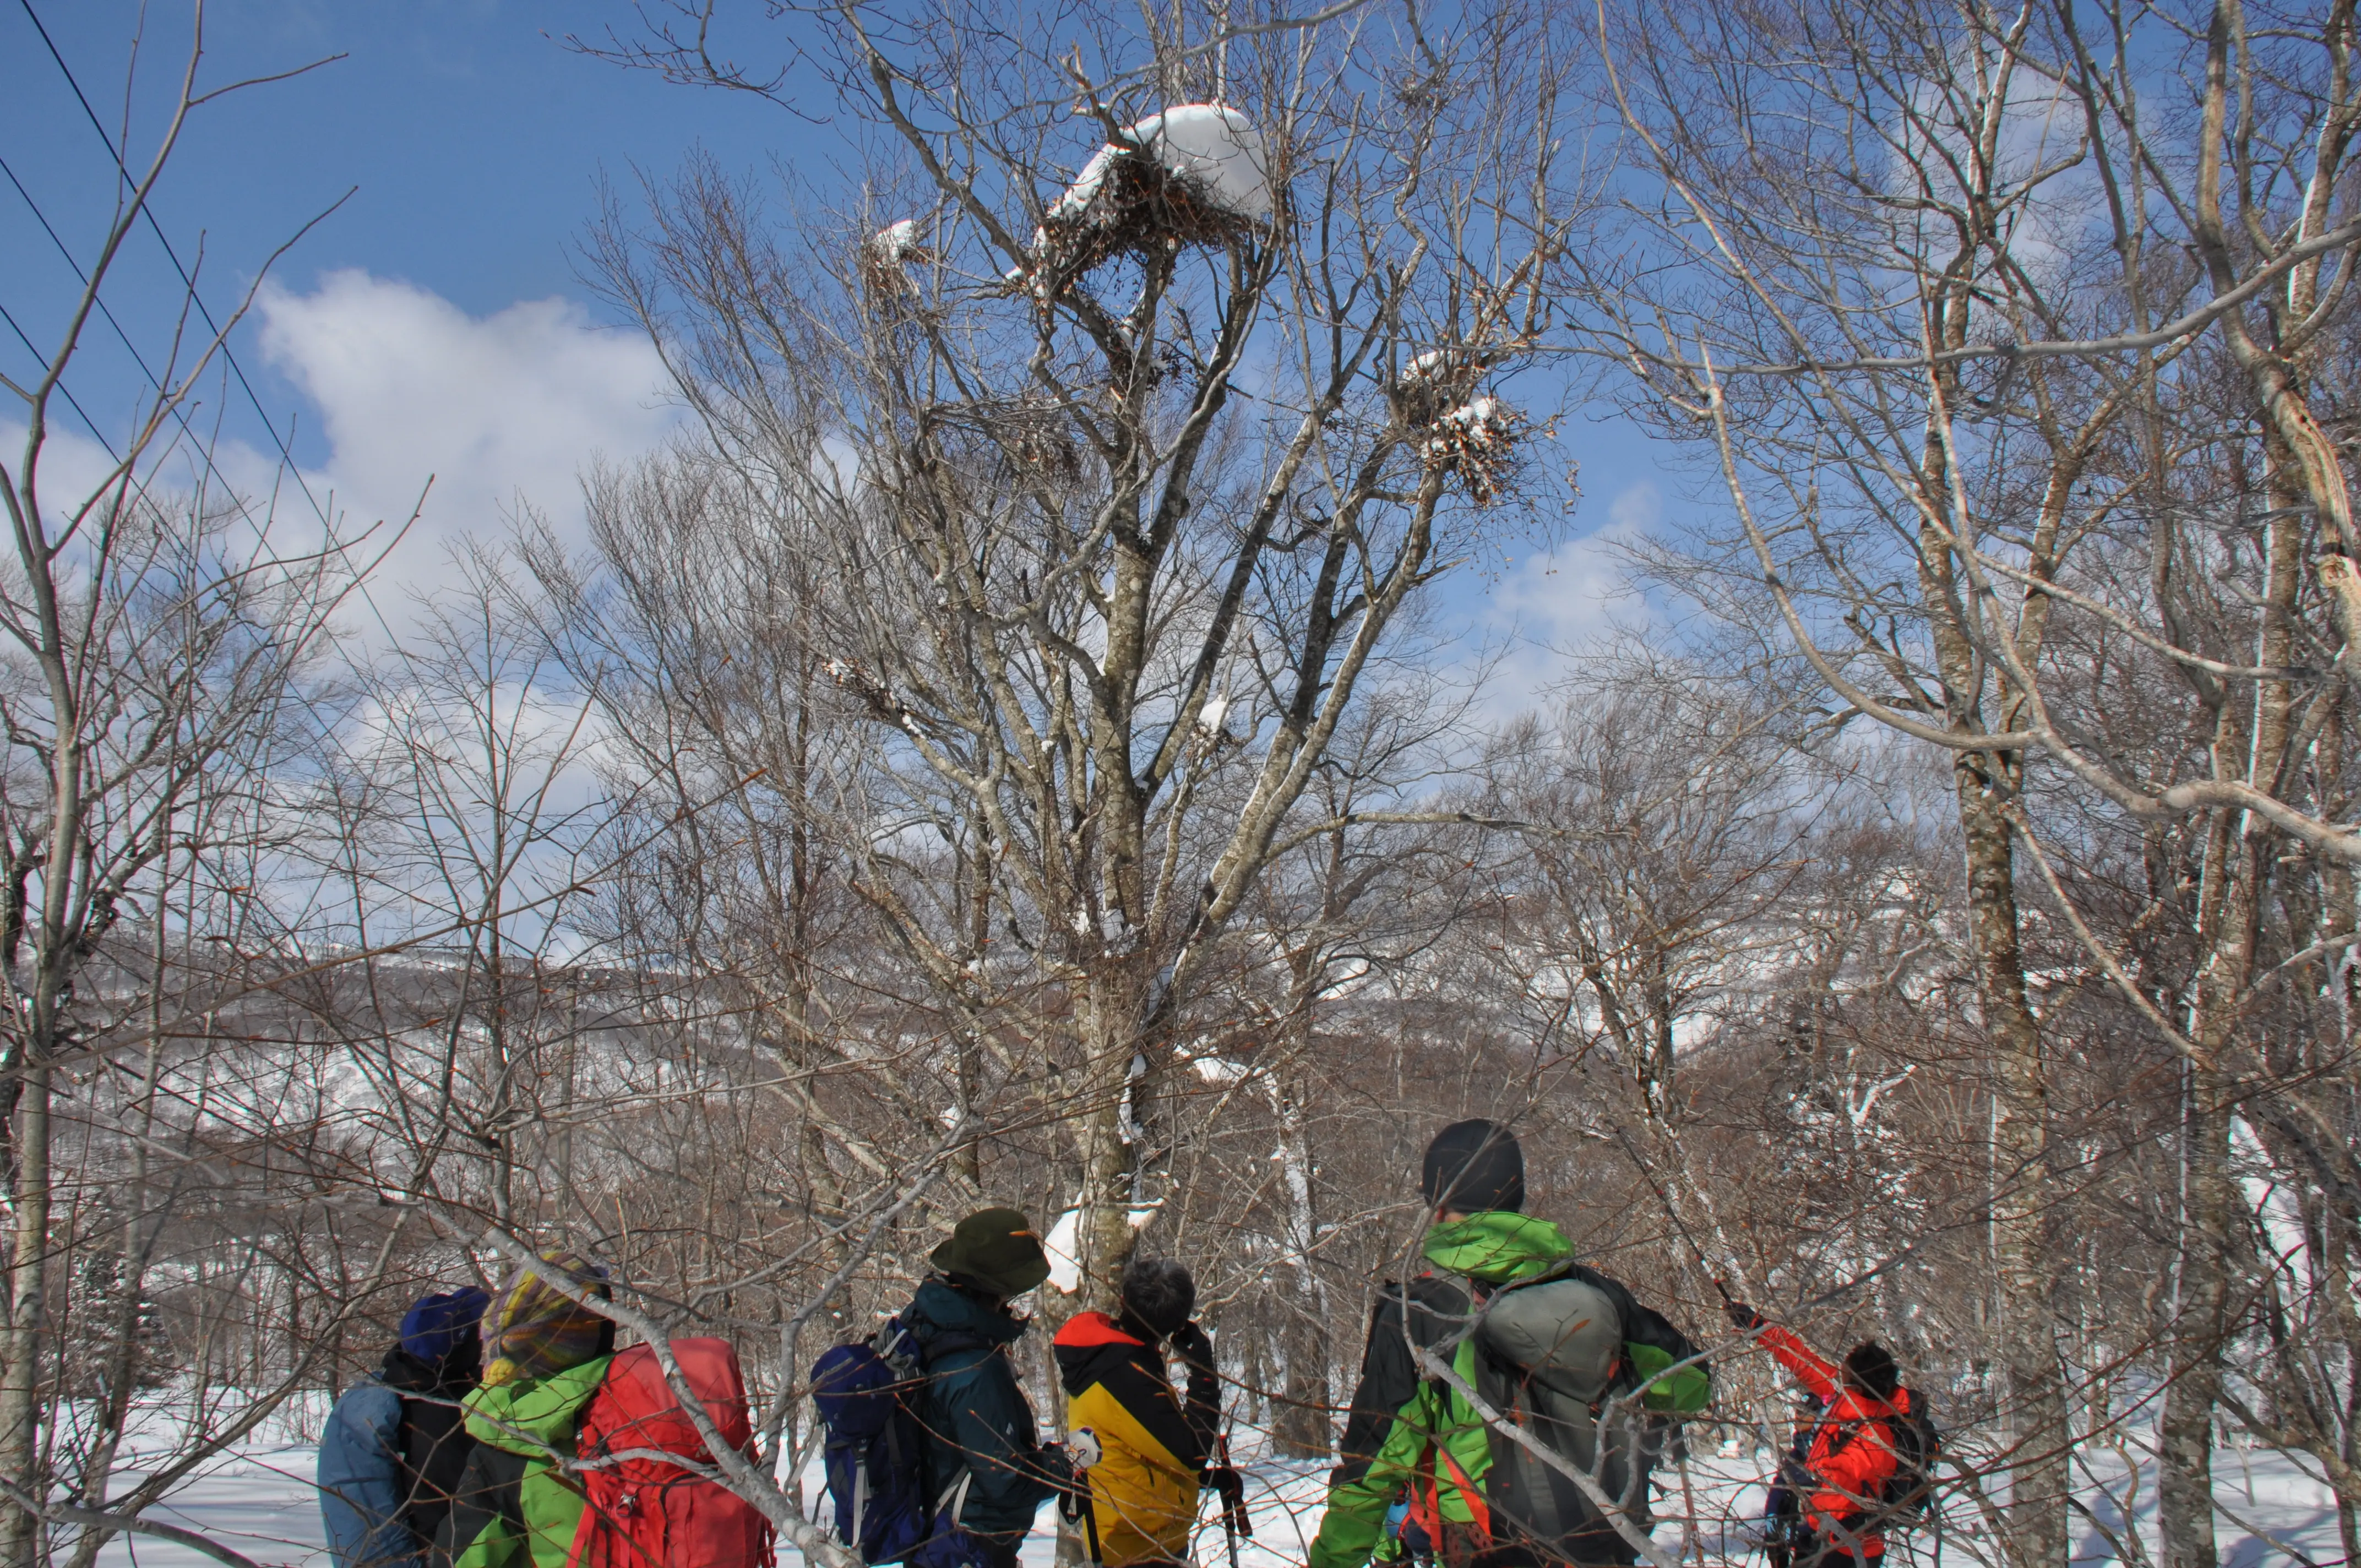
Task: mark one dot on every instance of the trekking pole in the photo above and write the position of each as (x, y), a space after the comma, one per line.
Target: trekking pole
(1235, 1522)
(1091, 1521)
(1675, 1215)
(1084, 1451)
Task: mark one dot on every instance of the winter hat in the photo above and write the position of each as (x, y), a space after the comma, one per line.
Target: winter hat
(443, 1323)
(1871, 1366)
(1160, 1294)
(1475, 1167)
(538, 1329)
(996, 1250)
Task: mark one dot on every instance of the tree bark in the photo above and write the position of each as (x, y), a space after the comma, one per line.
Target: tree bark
(20, 1378)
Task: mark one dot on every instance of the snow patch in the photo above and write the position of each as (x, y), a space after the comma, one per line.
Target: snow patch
(1483, 414)
(1061, 1244)
(1480, 427)
(896, 243)
(1065, 1268)
(1212, 146)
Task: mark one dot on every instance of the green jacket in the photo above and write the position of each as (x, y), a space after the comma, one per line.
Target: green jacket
(1399, 1411)
(515, 1509)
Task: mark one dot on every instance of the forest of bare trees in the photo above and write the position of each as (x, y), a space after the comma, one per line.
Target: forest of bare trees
(1023, 741)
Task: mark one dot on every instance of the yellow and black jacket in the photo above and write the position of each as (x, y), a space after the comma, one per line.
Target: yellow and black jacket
(1144, 1489)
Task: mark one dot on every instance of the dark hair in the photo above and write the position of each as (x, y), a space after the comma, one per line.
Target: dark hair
(1871, 1365)
(1158, 1295)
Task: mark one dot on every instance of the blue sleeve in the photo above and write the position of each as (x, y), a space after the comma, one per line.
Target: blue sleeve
(991, 1424)
(361, 1492)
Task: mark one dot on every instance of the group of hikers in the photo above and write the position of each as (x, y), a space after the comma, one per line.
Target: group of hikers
(1511, 1406)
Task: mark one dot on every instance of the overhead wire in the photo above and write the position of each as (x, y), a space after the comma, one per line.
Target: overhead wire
(187, 279)
(71, 402)
(229, 354)
(178, 415)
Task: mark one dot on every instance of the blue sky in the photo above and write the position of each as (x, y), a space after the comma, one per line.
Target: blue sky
(436, 322)
(474, 136)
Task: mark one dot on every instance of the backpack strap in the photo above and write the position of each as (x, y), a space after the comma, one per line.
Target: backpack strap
(923, 1357)
(1472, 1494)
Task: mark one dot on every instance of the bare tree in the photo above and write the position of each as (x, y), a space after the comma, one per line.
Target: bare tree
(1122, 490)
(1933, 324)
(161, 637)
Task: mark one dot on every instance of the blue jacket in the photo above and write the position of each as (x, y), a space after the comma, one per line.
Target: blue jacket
(978, 1424)
(362, 1492)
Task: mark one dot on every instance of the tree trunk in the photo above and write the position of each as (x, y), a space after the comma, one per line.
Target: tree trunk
(2185, 1431)
(2038, 1479)
(2238, 854)
(20, 1379)
(1301, 1428)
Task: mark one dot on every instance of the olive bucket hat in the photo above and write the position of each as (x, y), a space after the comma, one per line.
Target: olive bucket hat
(996, 1248)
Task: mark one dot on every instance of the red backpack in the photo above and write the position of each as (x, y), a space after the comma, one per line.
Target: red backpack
(646, 1513)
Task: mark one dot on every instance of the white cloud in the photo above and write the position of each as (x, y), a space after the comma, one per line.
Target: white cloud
(1574, 592)
(495, 408)
(1554, 604)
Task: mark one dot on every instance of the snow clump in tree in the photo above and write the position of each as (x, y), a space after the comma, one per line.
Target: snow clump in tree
(1212, 146)
(1194, 174)
(896, 242)
(1476, 441)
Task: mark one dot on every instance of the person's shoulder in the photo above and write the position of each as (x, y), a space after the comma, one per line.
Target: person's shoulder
(1434, 1293)
(952, 1354)
(367, 1403)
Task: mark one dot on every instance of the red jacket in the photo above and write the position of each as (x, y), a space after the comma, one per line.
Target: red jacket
(1851, 1455)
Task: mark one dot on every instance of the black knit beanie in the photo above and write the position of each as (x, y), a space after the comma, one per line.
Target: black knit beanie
(1474, 1166)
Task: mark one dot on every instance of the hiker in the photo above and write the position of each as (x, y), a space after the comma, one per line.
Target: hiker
(1153, 1444)
(548, 1353)
(1851, 1454)
(393, 1449)
(1541, 1339)
(986, 1474)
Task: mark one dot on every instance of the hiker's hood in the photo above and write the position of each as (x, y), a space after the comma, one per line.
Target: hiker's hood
(1497, 1248)
(450, 1378)
(531, 1415)
(1092, 1344)
(940, 1309)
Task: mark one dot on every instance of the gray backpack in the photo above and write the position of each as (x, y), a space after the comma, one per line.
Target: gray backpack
(1549, 1356)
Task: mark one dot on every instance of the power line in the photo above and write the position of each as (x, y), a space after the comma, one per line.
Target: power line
(187, 281)
(164, 398)
(132, 348)
(96, 435)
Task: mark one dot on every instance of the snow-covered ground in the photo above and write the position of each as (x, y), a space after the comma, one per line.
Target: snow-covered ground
(259, 1502)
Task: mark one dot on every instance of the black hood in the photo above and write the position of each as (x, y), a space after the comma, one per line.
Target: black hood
(454, 1375)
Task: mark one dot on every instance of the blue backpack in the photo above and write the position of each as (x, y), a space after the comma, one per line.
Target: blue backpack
(869, 1394)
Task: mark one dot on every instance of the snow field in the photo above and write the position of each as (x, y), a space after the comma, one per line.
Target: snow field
(258, 1501)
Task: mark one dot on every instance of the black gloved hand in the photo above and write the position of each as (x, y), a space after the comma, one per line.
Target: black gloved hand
(1744, 1317)
(1192, 1345)
(1057, 1467)
(1226, 1484)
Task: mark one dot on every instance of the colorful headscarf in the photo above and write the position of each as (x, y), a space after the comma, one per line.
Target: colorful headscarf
(538, 1329)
